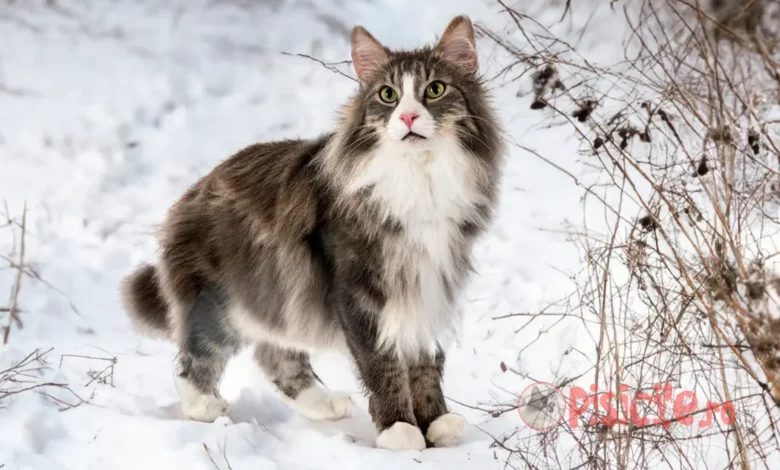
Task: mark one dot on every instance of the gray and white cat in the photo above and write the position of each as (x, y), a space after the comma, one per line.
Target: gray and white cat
(360, 241)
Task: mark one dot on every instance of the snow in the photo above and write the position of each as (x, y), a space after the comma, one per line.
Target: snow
(110, 110)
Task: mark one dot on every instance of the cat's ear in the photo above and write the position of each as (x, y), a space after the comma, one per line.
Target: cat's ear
(368, 56)
(458, 46)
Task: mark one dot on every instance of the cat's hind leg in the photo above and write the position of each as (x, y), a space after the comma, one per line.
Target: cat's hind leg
(207, 342)
(291, 372)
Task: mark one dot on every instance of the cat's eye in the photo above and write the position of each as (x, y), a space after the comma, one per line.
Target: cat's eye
(388, 94)
(434, 90)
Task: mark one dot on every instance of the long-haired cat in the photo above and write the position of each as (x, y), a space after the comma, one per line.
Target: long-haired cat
(359, 240)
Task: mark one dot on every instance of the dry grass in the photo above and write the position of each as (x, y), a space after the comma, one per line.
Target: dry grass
(19, 267)
(680, 274)
(26, 376)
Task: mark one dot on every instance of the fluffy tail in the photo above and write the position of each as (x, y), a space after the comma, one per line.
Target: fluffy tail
(144, 302)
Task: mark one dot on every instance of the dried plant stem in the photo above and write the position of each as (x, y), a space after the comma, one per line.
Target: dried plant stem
(13, 310)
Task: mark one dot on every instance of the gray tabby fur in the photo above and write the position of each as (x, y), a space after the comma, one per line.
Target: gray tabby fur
(358, 241)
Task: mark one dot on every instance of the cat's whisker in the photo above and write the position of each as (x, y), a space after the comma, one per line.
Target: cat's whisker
(461, 131)
(502, 133)
(356, 143)
(480, 118)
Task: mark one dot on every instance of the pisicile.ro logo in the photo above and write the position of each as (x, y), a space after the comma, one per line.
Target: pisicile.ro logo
(543, 406)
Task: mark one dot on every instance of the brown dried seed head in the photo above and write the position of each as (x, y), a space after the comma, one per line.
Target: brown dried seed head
(648, 223)
(753, 141)
(702, 169)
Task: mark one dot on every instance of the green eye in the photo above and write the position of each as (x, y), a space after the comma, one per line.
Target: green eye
(387, 94)
(434, 90)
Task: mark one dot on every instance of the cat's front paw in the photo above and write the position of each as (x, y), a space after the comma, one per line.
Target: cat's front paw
(446, 430)
(318, 404)
(401, 436)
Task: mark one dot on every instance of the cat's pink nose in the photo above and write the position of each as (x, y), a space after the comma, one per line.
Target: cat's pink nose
(408, 119)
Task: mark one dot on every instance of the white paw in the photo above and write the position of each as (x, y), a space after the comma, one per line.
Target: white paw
(317, 404)
(197, 406)
(446, 430)
(206, 408)
(401, 436)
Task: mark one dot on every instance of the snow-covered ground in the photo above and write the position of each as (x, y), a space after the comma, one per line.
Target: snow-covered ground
(110, 109)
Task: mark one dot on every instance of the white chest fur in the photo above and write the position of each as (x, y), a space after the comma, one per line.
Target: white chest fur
(428, 188)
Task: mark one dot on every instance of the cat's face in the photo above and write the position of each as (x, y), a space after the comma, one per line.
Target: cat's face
(415, 99)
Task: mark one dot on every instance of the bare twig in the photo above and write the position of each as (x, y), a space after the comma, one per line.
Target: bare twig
(23, 376)
(14, 308)
(328, 65)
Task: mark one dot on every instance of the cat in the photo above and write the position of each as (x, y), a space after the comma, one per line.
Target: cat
(358, 241)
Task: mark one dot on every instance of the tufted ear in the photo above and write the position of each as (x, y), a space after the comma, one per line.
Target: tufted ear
(458, 46)
(368, 56)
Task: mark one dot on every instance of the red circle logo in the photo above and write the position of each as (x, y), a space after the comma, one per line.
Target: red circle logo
(541, 406)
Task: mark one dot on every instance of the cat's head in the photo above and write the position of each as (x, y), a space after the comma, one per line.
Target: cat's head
(412, 99)
(419, 139)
